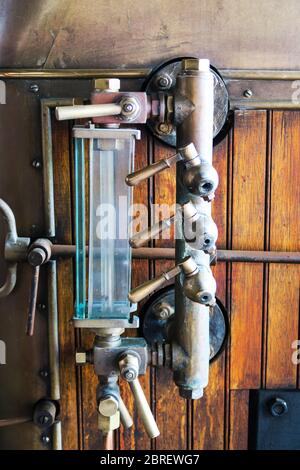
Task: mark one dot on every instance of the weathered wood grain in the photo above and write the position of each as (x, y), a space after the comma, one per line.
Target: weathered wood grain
(283, 303)
(238, 435)
(249, 166)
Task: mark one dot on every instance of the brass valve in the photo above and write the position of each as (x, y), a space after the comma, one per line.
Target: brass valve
(198, 283)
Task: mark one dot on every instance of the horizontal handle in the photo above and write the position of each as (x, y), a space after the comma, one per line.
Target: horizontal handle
(63, 113)
(140, 292)
(150, 233)
(137, 294)
(138, 176)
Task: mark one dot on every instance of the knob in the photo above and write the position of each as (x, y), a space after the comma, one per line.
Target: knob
(201, 180)
(129, 369)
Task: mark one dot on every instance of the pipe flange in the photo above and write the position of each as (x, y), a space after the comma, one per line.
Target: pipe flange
(156, 330)
(163, 79)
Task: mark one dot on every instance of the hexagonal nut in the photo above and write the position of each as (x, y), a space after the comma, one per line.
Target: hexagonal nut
(107, 84)
(80, 357)
(191, 394)
(164, 311)
(130, 107)
(108, 423)
(108, 406)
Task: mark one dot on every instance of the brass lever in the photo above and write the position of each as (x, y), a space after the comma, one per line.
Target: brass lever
(186, 153)
(129, 369)
(198, 283)
(40, 253)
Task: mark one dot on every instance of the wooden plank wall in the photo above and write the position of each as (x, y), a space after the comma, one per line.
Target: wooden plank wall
(256, 207)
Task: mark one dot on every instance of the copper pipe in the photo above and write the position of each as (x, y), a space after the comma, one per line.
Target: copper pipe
(107, 441)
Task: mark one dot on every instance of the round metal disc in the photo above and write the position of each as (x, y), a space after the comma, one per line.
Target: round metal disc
(155, 329)
(170, 70)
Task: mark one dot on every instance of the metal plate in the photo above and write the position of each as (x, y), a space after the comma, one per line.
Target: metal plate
(221, 102)
(274, 417)
(155, 330)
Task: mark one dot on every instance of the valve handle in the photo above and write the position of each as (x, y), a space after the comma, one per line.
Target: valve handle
(144, 409)
(62, 113)
(32, 300)
(187, 153)
(129, 369)
(40, 253)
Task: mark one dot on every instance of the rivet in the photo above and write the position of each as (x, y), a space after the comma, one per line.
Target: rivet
(45, 439)
(34, 88)
(36, 164)
(248, 93)
(44, 373)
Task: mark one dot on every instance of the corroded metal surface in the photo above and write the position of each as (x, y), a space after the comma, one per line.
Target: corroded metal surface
(91, 33)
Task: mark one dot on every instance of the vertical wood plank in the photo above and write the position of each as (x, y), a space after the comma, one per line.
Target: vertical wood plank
(208, 413)
(171, 409)
(238, 435)
(283, 303)
(249, 167)
(63, 216)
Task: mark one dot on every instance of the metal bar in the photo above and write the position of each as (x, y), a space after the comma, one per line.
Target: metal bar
(288, 257)
(74, 73)
(13, 421)
(46, 105)
(228, 74)
(248, 74)
(53, 345)
(251, 104)
(32, 301)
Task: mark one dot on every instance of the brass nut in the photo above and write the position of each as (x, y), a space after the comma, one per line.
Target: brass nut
(195, 64)
(108, 406)
(107, 84)
(164, 128)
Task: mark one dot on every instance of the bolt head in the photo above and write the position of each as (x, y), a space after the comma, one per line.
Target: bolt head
(43, 419)
(164, 81)
(36, 164)
(248, 93)
(45, 439)
(128, 107)
(163, 311)
(44, 373)
(80, 357)
(164, 128)
(34, 88)
(36, 256)
(108, 84)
